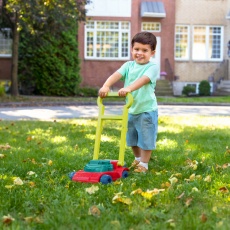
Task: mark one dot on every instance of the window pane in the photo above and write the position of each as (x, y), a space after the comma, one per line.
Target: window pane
(199, 43)
(5, 42)
(214, 42)
(181, 43)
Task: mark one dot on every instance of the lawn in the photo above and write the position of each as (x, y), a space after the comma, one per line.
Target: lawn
(45, 99)
(187, 186)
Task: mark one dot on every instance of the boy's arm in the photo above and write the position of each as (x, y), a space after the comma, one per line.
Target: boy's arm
(108, 83)
(136, 85)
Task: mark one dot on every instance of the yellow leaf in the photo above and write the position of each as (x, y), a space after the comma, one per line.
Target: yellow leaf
(122, 199)
(94, 210)
(30, 173)
(195, 189)
(32, 184)
(192, 177)
(7, 219)
(18, 181)
(92, 189)
(2, 156)
(137, 191)
(28, 219)
(173, 180)
(207, 178)
(50, 162)
(9, 186)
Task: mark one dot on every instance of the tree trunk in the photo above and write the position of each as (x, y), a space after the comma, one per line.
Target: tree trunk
(14, 74)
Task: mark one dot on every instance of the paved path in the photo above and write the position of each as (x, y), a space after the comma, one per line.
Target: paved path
(68, 112)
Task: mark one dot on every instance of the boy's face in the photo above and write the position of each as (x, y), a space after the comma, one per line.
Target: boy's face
(141, 53)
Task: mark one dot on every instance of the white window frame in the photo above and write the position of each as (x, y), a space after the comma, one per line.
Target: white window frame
(120, 31)
(6, 44)
(151, 26)
(187, 57)
(207, 37)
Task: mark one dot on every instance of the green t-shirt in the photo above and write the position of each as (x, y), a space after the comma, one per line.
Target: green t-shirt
(144, 98)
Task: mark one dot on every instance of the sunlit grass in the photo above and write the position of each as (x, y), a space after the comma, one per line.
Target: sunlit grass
(191, 166)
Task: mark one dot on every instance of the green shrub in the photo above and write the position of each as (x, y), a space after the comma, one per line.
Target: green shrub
(188, 90)
(2, 90)
(49, 63)
(204, 88)
(86, 92)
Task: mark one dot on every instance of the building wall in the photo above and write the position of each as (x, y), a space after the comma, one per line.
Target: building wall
(200, 12)
(94, 73)
(5, 69)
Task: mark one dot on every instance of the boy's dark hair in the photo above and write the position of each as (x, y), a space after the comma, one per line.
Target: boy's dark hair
(145, 38)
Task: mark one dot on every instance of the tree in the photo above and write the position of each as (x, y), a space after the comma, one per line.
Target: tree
(37, 16)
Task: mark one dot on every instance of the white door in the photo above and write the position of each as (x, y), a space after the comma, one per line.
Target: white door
(157, 56)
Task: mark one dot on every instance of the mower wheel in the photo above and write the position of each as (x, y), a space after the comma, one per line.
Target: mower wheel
(106, 179)
(71, 175)
(125, 174)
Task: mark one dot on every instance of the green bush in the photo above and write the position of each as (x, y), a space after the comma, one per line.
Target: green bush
(204, 88)
(49, 64)
(2, 90)
(188, 90)
(86, 92)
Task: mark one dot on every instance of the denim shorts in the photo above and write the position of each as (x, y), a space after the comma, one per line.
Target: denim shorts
(142, 130)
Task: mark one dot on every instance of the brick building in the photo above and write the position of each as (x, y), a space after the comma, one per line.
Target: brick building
(193, 39)
(105, 38)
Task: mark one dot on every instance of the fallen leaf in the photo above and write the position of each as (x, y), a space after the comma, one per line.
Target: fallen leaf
(195, 189)
(137, 191)
(224, 166)
(9, 186)
(207, 178)
(122, 199)
(150, 193)
(7, 219)
(18, 181)
(2, 156)
(29, 219)
(173, 180)
(181, 195)
(203, 218)
(92, 189)
(223, 190)
(94, 211)
(30, 173)
(50, 162)
(32, 184)
(5, 147)
(188, 202)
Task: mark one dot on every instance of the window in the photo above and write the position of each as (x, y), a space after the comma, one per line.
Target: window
(182, 43)
(207, 43)
(5, 43)
(107, 40)
(151, 26)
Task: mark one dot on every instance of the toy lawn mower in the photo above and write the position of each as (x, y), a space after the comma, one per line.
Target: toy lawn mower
(106, 171)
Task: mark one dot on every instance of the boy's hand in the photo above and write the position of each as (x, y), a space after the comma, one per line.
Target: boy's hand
(103, 91)
(123, 91)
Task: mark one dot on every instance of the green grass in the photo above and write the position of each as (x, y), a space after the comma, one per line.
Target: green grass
(182, 99)
(189, 164)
